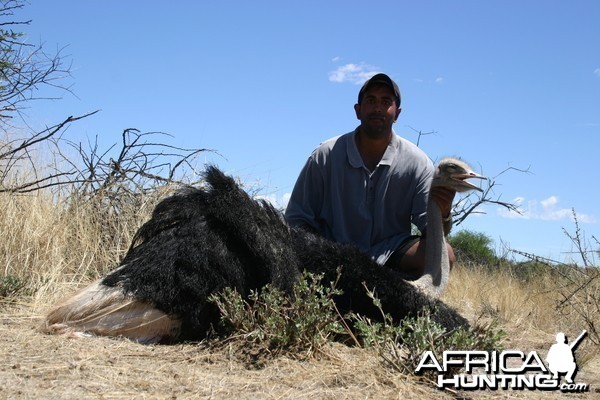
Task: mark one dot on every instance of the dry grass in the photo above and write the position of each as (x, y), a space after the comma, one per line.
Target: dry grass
(53, 249)
(40, 366)
(499, 295)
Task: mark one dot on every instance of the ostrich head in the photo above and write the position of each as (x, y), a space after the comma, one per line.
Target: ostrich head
(452, 174)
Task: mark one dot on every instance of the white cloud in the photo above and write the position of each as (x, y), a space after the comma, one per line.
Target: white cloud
(547, 210)
(354, 73)
(597, 72)
(506, 213)
(549, 202)
(271, 198)
(586, 218)
(285, 199)
(438, 80)
(277, 202)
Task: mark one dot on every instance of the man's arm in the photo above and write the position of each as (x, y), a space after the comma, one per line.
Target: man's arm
(421, 196)
(305, 203)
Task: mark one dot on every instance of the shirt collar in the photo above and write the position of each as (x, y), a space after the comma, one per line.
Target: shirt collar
(392, 150)
(355, 159)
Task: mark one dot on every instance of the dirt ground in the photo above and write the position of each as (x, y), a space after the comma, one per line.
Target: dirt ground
(38, 366)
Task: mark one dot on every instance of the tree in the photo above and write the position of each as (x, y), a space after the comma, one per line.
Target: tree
(473, 248)
(25, 69)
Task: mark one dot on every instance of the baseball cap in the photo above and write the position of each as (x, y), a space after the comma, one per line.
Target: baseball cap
(380, 79)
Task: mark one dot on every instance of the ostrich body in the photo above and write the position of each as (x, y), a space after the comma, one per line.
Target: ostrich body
(200, 241)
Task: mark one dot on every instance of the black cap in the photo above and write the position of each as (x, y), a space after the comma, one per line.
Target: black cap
(382, 79)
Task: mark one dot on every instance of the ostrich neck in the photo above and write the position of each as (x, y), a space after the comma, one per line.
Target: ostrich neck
(437, 265)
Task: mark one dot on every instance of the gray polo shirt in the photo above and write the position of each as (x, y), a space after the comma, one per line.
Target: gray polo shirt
(337, 195)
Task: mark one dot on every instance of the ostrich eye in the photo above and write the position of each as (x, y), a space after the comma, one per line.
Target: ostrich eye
(451, 167)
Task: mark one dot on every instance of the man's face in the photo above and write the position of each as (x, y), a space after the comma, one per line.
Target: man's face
(377, 111)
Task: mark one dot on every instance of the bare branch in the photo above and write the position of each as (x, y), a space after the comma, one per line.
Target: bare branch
(533, 257)
(25, 69)
(43, 135)
(578, 240)
(421, 133)
(468, 205)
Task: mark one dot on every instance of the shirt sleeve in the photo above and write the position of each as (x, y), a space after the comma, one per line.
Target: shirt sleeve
(419, 211)
(306, 201)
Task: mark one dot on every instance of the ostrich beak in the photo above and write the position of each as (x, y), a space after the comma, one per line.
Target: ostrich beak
(463, 185)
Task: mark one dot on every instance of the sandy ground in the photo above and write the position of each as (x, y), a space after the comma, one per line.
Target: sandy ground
(38, 366)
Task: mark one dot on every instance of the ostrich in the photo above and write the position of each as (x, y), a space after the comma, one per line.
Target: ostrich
(200, 241)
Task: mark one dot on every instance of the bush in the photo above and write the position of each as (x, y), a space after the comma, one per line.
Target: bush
(10, 286)
(402, 346)
(473, 248)
(300, 323)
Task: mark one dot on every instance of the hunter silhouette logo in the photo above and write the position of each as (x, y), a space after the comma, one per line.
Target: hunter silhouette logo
(509, 369)
(560, 357)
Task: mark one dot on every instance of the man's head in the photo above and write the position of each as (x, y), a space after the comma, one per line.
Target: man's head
(380, 79)
(378, 106)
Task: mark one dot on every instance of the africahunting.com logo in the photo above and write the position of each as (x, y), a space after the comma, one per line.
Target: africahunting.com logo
(509, 369)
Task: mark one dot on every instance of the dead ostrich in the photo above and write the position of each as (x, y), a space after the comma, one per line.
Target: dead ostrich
(200, 241)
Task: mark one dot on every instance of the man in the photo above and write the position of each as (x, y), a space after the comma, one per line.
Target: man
(366, 187)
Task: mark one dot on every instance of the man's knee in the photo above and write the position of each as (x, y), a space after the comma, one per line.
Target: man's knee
(451, 255)
(411, 261)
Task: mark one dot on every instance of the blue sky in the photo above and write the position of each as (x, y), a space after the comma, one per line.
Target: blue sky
(501, 83)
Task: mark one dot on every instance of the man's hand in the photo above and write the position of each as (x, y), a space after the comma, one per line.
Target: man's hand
(443, 197)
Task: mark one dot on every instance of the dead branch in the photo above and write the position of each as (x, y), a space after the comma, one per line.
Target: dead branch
(25, 69)
(19, 152)
(469, 204)
(141, 164)
(421, 133)
(42, 136)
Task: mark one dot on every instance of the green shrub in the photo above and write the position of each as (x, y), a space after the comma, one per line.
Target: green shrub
(300, 323)
(10, 286)
(473, 248)
(402, 346)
